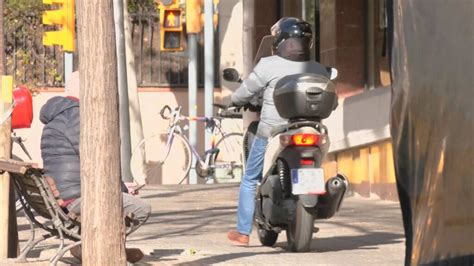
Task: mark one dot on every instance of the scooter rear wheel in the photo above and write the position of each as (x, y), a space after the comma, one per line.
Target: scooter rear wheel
(267, 237)
(300, 231)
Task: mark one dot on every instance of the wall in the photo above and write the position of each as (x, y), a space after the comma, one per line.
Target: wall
(343, 31)
(151, 102)
(230, 33)
(360, 119)
(361, 145)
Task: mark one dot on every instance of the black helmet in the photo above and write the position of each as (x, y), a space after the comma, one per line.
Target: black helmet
(290, 27)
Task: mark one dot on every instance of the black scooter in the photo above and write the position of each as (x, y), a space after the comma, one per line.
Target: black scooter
(293, 192)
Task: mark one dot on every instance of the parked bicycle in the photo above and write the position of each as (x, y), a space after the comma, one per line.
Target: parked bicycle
(171, 153)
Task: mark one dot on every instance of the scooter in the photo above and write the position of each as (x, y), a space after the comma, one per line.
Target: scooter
(293, 192)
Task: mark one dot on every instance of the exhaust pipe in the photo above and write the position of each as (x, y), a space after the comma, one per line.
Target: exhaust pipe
(329, 203)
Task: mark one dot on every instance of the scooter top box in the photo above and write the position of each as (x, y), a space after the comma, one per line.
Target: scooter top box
(305, 96)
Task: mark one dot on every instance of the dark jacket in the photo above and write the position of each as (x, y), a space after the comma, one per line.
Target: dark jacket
(60, 145)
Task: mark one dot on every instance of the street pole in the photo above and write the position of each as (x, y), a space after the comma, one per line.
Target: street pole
(136, 127)
(125, 142)
(303, 10)
(68, 65)
(248, 50)
(370, 37)
(208, 66)
(192, 97)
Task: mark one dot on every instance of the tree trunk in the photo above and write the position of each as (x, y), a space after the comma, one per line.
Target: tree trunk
(103, 230)
(8, 228)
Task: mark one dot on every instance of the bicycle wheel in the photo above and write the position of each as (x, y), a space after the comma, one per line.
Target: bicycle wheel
(229, 161)
(152, 162)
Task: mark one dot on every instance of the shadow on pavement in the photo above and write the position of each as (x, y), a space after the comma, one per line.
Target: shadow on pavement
(189, 222)
(159, 255)
(339, 243)
(225, 257)
(181, 191)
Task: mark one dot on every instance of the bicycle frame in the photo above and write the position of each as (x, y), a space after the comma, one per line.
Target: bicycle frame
(174, 127)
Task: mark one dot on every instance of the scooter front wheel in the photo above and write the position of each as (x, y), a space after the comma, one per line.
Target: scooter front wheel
(300, 230)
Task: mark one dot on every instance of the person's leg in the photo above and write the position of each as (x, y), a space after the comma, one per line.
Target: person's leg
(138, 207)
(131, 205)
(248, 185)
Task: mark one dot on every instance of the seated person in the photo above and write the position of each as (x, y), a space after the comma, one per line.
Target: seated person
(60, 153)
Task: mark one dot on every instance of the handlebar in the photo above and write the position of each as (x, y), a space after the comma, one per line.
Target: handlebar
(228, 111)
(231, 115)
(221, 106)
(162, 112)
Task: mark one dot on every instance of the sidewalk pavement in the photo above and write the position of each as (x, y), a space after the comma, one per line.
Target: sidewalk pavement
(189, 224)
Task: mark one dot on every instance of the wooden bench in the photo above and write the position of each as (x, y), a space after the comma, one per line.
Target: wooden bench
(38, 199)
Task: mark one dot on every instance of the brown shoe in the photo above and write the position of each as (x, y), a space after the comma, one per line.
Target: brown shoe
(134, 254)
(237, 238)
(76, 252)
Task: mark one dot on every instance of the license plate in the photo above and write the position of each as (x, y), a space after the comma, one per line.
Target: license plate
(308, 181)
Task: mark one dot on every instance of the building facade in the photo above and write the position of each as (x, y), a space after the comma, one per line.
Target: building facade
(348, 35)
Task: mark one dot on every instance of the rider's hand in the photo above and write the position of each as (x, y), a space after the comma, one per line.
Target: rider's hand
(252, 108)
(130, 186)
(235, 106)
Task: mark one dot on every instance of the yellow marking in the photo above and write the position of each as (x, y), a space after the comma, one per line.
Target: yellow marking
(7, 89)
(360, 169)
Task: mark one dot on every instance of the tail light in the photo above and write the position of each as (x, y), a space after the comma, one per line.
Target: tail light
(300, 140)
(307, 162)
(305, 139)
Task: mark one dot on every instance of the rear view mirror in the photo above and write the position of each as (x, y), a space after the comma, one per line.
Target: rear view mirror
(231, 74)
(332, 72)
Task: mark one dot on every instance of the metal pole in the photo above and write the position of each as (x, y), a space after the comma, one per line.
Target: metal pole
(317, 31)
(370, 70)
(208, 65)
(125, 143)
(303, 10)
(192, 97)
(68, 65)
(248, 50)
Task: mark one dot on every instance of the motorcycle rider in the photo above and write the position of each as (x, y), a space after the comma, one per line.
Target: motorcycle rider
(292, 44)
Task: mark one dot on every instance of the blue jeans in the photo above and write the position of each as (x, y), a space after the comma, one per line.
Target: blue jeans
(248, 185)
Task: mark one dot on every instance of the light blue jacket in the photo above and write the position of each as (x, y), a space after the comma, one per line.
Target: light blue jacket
(263, 78)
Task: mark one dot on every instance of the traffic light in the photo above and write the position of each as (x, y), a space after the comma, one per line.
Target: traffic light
(63, 17)
(194, 16)
(171, 26)
(215, 16)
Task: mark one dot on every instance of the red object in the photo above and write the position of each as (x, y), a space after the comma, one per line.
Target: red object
(22, 115)
(307, 162)
(305, 139)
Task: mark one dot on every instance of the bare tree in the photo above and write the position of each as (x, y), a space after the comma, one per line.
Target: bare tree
(8, 226)
(102, 228)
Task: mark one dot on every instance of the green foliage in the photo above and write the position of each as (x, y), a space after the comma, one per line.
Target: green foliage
(136, 6)
(26, 58)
